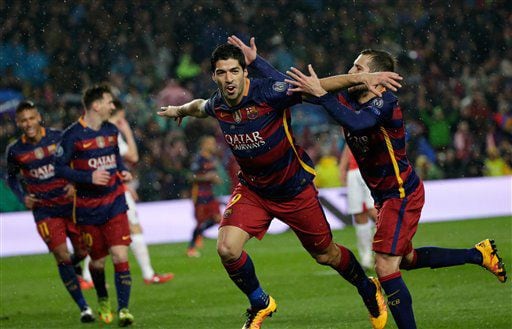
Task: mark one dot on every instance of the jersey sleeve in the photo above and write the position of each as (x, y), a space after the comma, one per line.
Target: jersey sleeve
(63, 158)
(13, 170)
(264, 69)
(374, 113)
(276, 94)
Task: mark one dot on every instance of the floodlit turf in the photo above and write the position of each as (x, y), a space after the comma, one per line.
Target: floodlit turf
(308, 295)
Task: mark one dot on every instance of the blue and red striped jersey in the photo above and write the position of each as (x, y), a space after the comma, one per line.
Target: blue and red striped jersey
(31, 170)
(202, 192)
(379, 147)
(259, 133)
(81, 152)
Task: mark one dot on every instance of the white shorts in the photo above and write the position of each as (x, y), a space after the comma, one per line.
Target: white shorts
(358, 194)
(132, 210)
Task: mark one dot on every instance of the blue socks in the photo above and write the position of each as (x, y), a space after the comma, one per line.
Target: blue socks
(242, 272)
(123, 282)
(68, 276)
(435, 257)
(399, 300)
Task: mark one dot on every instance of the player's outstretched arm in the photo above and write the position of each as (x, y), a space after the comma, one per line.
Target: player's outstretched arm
(390, 80)
(340, 113)
(195, 108)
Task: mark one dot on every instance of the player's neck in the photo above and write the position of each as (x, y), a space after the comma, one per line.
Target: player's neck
(367, 96)
(92, 120)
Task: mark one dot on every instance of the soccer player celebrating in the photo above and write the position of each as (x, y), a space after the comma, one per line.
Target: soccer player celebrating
(129, 152)
(49, 198)
(275, 180)
(206, 207)
(89, 156)
(374, 130)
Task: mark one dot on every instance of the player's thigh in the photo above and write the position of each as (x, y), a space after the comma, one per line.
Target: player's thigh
(246, 210)
(52, 231)
(75, 236)
(356, 197)
(95, 241)
(305, 216)
(117, 231)
(397, 223)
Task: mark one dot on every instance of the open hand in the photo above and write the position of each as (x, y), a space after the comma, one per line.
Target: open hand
(250, 53)
(303, 83)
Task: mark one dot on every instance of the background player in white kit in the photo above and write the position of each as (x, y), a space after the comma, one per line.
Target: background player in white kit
(129, 153)
(360, 206)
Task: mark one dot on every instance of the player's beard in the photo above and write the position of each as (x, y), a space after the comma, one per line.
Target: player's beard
(357, 91)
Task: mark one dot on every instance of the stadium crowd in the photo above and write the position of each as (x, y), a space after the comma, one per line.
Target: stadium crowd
(456, 60)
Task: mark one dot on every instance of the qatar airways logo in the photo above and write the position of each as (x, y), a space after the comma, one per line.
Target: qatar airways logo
(240, 142)
(103, 162)
(43, 172)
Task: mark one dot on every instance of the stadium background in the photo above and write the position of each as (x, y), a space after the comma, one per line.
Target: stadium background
(455, 57)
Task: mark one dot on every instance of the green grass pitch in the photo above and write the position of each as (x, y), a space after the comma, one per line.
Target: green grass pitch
(308, 295)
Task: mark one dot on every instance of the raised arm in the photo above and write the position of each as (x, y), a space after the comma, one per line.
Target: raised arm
(194, 108)
(389, 80)
(352, 120)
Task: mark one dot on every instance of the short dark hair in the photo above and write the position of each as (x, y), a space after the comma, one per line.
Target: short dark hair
(380, 60)
(227, 51)
(25, 105)
(94, 93)
(118, 106)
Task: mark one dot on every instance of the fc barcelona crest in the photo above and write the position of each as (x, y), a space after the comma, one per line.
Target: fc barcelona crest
(100, 141)
(39, 153)
(237, 116)
(252, 113)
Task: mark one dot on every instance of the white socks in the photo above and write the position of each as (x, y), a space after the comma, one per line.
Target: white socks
(86, 274)
(364, 234)
(141, 253)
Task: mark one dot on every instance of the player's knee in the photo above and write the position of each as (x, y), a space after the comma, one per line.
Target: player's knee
(325, 258)
(227, 252)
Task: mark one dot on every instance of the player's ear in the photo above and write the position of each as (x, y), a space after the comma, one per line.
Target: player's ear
(246, 73)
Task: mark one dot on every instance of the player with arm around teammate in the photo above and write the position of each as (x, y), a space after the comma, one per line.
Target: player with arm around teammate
(374, 130)
(275, 181)
(31, 160)
(89, 156)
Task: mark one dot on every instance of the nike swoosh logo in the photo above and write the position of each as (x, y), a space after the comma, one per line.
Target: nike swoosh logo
(376, 241)
(126, 237)
(318, 243)
(223, 114)
(86, 145)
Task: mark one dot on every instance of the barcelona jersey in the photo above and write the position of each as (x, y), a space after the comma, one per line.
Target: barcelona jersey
(35, 163)
(202, 192)
(380, 150)
(259, 133)
(82, 151)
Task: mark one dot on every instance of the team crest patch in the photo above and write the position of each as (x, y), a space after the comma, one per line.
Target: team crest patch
(252, 113)
(279, 86)
(228, 212)
(100, 141)
(39, 153)
(60, 151)
(237, 116)
(378, 102)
